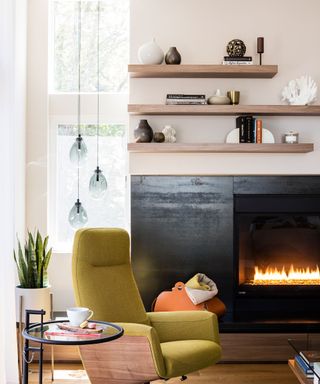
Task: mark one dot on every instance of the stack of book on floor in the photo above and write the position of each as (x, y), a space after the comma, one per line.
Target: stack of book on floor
(182, 99)
(303, 367)
(233, 60)
(250, 129)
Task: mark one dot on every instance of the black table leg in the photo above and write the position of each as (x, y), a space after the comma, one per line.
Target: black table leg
(25, 354)
(40, 364)
(27, 348)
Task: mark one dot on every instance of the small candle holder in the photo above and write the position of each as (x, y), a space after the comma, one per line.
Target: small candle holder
(234, 97)
(260, 48)
(291, 137)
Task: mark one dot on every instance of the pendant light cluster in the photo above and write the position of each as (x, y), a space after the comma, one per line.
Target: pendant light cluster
(78, 153)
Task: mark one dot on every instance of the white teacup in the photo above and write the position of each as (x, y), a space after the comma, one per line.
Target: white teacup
(78, 315)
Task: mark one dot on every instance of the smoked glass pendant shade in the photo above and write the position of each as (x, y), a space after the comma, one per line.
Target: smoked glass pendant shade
(78, 152)
(78, 216)
(98, 184)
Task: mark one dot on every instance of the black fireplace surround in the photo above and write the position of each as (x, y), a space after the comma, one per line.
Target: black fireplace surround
(227, 227)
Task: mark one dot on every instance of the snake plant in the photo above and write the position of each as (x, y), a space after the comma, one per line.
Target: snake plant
(32, 261)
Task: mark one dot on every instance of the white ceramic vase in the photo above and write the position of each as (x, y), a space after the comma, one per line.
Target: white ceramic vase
(150, 53)
(33, 298)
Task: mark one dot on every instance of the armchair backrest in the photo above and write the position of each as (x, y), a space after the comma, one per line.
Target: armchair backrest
(102, 276)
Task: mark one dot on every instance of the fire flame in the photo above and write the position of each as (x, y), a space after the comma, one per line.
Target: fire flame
(295, 276)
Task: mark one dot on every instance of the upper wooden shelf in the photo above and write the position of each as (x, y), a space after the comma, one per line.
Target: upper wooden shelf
(218, 148)
(203, 70)
(264, 110)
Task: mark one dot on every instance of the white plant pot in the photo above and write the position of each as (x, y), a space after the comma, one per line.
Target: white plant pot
(33, 298)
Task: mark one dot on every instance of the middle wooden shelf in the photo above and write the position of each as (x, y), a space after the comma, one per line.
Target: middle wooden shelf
(219, 148)
(227, 110)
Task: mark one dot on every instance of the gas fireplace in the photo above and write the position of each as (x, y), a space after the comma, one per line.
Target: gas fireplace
(277, 253)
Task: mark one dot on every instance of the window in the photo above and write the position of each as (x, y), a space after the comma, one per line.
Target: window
(114, 45)
(111, 210)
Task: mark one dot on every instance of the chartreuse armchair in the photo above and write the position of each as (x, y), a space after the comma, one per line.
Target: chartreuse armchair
(155, 345)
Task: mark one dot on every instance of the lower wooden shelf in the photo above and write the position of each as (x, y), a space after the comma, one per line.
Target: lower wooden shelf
(299, 375)
(218, 148)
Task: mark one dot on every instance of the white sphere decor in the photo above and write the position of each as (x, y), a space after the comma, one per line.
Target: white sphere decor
(150, 53)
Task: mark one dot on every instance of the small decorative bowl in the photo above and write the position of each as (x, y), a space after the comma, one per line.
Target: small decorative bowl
(219, 100)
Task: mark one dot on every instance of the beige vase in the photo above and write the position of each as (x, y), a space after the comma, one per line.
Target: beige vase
(33, 298)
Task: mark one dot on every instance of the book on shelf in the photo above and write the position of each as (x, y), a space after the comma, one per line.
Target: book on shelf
(185, 102)
(258, 129)
(237, 62)
(303, 366)
(185, 99)
(235, 58)
(240, 123)
(175, 96)
(250, 129)
(310, 357)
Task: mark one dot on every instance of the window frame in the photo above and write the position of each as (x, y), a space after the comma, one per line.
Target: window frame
(63, 110)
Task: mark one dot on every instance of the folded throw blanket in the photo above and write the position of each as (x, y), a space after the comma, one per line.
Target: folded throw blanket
(200, 288)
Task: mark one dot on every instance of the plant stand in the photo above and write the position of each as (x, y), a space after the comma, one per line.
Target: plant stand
(20, 326)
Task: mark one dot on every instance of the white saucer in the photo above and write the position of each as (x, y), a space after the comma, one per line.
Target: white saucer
(233, 136)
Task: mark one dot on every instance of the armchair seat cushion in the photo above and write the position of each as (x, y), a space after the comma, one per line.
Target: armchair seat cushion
(185, 356)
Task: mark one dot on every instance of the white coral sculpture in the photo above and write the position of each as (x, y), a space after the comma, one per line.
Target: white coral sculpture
(300, 91)
(169, 134)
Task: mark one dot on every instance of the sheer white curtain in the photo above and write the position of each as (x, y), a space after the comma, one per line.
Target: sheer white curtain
(12, 125)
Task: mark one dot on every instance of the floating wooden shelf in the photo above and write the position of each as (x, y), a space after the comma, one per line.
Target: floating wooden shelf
(218, 148)
(275, 110)
(203, 70)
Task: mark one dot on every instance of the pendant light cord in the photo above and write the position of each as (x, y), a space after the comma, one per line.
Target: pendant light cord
(98, 83)
(79, 89)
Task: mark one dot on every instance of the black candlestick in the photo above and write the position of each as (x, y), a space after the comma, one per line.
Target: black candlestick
(260, 48)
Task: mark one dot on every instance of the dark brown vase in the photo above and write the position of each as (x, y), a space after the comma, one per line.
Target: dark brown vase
(173, 56)
(143, 133)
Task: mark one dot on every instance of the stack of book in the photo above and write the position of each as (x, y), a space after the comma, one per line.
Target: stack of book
(233, 60)
(303, 366)
(250, 129)
(70, 336)
(65, 331)
(177, 99)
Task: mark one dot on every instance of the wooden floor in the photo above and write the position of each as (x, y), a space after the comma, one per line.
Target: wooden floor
(218, 374)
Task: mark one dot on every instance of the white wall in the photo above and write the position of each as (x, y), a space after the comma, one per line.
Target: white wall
(13, 16)
(37, 115)
(200, 30)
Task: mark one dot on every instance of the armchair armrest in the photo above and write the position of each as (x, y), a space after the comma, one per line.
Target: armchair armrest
(185, 325)
(141, 330)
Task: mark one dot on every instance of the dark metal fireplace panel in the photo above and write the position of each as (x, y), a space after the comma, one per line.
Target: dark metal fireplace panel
(181, 225)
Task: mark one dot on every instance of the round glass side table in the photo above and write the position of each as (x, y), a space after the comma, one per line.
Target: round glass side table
(50, 333)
